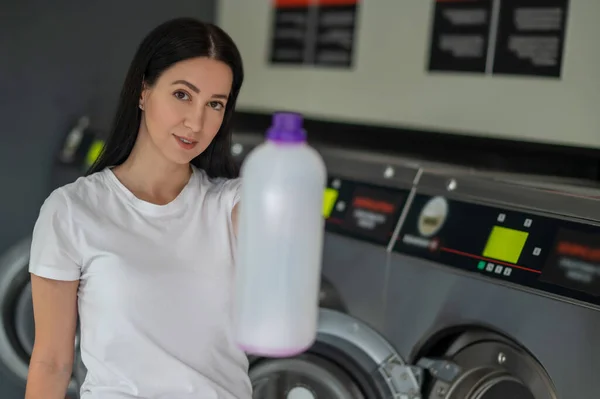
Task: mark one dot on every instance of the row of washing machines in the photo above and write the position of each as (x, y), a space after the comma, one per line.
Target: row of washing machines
(439, 282)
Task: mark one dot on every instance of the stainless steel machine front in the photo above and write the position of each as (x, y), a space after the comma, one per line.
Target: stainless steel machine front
(493, 287)
(482, 285)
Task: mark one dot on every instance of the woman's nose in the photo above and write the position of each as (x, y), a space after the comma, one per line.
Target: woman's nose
(195, 119)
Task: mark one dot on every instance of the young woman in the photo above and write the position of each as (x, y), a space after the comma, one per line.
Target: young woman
(142, 247)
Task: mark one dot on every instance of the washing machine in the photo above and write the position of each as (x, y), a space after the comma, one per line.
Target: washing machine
(494, 287)
(490, 287)
(350, 358)
(17, 330)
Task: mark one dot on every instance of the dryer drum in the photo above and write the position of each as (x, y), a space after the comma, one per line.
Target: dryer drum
(16, 314)
(349, 360)
(305, 376)
(474, 362)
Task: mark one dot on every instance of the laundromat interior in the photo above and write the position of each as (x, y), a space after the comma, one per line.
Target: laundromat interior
(461, 138)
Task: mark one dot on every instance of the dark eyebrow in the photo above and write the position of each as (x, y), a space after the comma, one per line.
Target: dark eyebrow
(188, 84)
(197, 90)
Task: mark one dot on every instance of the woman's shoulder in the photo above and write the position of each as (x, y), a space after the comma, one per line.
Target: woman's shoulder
(56, 237)
(220, 187)
(216, 183)
(81, 192)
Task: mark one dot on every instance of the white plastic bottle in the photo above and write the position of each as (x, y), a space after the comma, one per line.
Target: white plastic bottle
(280, 242)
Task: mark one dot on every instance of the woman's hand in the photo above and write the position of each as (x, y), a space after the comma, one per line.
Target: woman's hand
(55, 315)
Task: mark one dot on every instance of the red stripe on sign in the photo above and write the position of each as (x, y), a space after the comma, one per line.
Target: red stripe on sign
(293, 3)
(337, 2)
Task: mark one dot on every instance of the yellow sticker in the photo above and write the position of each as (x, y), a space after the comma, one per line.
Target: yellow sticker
(94, 152)
(329, 198)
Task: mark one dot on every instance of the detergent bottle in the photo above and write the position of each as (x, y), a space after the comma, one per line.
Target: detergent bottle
(279, 243)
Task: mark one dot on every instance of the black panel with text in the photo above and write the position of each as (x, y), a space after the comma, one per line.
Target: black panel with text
(290, 31)
(363, 211)
(460, 35)
(501, 37)
(556, 256)
(314, 32)
(531, 35)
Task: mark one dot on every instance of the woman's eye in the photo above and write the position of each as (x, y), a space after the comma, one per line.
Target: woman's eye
(216, 105)
(181, 95)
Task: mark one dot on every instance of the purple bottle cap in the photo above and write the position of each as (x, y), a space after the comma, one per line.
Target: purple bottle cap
(286, 127)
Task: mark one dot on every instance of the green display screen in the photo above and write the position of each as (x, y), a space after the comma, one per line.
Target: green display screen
(505, 244)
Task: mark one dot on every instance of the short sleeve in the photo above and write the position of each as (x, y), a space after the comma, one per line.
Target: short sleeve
(53, 252)
(233, 191)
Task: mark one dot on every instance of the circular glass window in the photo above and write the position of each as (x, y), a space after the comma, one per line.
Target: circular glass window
(307, 376)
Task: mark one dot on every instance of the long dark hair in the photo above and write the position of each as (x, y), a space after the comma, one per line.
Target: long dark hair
(171, 42)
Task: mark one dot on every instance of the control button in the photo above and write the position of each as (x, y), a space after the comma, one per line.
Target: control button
(336, 184)
(433, 216)
(451, 185)
(537, 251)
(389, 172)
(507, 271)
(527, 223)
(498, 269)
(501, 217)
(481, 265)
(434, 244)
(490, 267)
(340, 206)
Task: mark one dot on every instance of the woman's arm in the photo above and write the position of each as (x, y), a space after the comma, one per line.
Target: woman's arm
(55, 315)
(234, 218)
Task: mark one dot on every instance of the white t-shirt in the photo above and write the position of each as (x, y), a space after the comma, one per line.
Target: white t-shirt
(155, 291)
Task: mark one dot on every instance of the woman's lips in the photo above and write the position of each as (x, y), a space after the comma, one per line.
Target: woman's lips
(185, 142)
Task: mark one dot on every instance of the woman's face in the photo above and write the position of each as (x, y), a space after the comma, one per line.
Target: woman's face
(184, 109)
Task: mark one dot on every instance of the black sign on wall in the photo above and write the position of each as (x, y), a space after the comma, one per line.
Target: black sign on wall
(292, 23)
(460, 36)
(314, 32)
(531, 35)
(517, 37)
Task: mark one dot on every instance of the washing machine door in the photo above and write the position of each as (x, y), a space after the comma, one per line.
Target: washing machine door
(474, 362)
(17, 331)
(349, 360)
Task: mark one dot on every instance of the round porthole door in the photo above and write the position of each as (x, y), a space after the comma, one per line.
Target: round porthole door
(349, 360)
(474, 362)
(17, 330)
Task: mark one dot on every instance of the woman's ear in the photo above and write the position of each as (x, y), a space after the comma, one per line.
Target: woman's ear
(143, 96)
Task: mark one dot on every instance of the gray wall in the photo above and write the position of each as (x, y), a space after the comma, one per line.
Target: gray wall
(59, 59)
(390, 85)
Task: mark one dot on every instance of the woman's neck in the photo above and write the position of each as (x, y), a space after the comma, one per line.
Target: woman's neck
(150, 176)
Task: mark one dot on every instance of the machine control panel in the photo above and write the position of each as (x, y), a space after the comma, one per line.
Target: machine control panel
(554, 255)
(362, 210)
